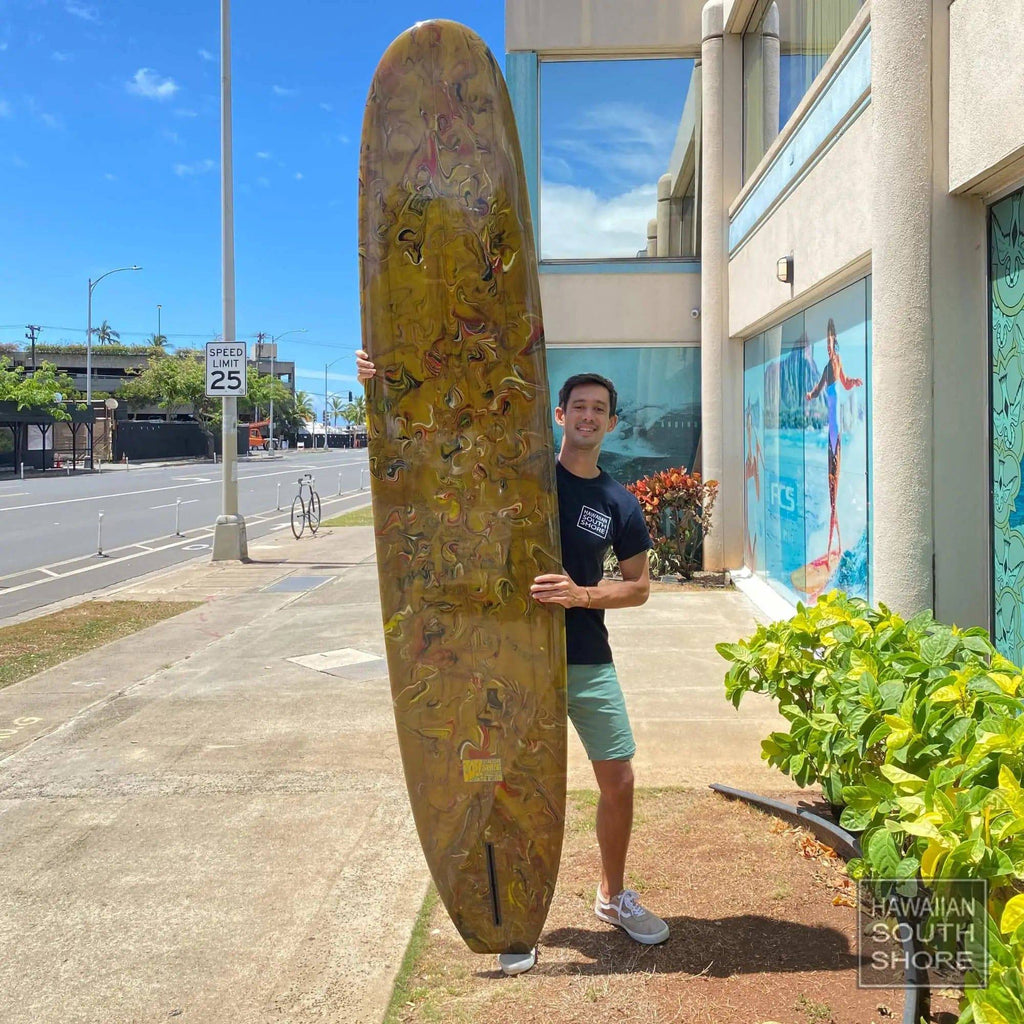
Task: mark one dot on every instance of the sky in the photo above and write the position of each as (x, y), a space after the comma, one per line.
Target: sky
(607, 130)
(110, 156)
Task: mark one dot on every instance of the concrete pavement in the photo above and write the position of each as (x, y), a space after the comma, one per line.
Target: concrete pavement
(207, 821)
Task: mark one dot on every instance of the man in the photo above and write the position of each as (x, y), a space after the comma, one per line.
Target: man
(595, 513)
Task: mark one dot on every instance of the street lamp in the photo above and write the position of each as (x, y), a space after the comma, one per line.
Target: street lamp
(326, 368)
(273, 355)
(88, 333)
(159, 333)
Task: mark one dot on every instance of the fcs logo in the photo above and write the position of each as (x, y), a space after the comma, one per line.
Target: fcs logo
(784, 496)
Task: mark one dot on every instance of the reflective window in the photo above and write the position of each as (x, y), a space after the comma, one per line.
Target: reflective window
(805, 446)
(658, 390)
(612, 132)
(785, 45)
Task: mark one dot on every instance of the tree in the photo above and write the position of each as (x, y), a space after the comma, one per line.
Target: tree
(304, 406)
(355, 411)
(337, 408)
(157, 340)
(36, 390)
(106, 335)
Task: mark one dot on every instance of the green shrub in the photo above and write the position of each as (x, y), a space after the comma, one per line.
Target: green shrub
(912, 728)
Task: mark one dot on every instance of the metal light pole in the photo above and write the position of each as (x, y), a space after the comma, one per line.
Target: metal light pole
(229, 540)
(88, 333)
(273, 356)
(326, 368)
(159, 333)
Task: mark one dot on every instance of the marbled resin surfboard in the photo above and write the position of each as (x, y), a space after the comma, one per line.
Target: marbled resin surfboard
(463, 480)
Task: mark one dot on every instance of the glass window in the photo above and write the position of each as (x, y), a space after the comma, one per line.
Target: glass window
(658, 404)
(785, 45)
(806, 449)
(612, 133)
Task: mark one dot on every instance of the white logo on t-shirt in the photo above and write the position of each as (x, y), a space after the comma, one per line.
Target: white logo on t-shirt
(594, 522)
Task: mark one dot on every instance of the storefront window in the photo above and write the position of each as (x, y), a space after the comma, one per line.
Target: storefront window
(1006, 274)
(610, 130)
(785, 45)
(805, 449)
(658, 404)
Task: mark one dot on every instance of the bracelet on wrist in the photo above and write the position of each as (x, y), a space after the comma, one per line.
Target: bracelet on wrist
(587, 592)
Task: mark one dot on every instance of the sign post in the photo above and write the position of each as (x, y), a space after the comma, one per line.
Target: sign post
(229, 540)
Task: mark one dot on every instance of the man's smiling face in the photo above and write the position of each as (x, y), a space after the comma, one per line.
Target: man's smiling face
(586, 419)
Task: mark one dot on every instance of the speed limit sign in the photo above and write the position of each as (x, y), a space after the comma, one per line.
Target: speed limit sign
(225, 369)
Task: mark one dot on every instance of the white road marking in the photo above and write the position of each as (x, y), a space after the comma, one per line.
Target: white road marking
(191, 501)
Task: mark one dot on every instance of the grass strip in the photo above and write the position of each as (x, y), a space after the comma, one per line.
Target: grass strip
(38, 644)
(417, 944)
(357, 517)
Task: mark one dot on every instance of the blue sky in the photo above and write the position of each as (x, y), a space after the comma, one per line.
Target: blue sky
(110, 155)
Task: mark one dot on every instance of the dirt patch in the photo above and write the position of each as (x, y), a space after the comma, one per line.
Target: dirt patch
(763, 930)
(38, 644)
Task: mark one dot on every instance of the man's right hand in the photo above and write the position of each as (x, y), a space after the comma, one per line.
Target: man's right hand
(364, 368)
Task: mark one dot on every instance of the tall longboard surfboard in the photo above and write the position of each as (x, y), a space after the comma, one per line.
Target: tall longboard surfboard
(462, 480)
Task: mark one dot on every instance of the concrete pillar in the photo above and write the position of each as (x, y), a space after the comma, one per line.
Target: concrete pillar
(771, 56)
(652, 237)
(665, 215)
(902, 371)
(714, 274)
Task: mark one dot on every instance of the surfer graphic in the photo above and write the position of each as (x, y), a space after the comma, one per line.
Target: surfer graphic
(831, 377)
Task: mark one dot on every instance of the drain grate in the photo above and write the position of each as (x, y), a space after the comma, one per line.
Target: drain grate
(298, 584)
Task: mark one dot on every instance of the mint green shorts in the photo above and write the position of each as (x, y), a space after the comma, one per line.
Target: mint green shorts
(598, 711)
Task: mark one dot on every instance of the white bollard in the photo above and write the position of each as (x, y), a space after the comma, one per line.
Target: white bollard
(177, 518)
(363, 473)
(99, 536)
(339, 483)
(23, 471)
(278, 496)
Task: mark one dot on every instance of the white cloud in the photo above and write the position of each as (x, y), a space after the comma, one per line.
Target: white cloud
(17, 161)
(110, 177)
(344, 139)
(263, 182)
(576, 223)
(262, 155)
(172, 137)
(200, 167)
(51, 120)
(5, 108)
(329, 107)
(182, 112)
(60, 57)
(3, 45)
(280, 90)
(298, 175)
(83, 11)
(149, 84)
(206, 55)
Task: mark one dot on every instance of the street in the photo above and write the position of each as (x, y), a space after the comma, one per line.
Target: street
(51, 526)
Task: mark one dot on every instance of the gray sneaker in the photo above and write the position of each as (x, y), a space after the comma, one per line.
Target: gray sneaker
(626, 912)
(517, 963)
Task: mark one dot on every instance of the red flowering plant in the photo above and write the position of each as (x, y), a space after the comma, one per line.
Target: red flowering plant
(677, 508)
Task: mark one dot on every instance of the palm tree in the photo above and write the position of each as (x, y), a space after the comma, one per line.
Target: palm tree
(355, 411)
(106, 335)
(156, 340)
(304, 407)
(337, 408)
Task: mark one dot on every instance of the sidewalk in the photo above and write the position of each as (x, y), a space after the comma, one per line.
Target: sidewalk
(208, 822)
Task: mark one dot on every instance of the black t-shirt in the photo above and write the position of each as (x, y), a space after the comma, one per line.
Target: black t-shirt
(594, 515)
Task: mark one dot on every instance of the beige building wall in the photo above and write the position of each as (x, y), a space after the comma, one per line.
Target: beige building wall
(825, 224)
(602, 26)
(986, 95)
(620, 308)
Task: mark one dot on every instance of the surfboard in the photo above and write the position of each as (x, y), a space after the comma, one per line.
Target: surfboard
(462, 477)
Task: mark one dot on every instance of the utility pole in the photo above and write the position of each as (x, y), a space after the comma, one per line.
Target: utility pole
(31, 330)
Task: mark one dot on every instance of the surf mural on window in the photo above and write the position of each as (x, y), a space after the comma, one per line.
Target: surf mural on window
(1006, 256)
(659, 404)
(806, 448)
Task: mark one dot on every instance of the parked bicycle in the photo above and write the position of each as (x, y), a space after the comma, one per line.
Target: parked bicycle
(306, 510)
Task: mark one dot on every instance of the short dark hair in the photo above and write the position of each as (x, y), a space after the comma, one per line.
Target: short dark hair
(579, 379)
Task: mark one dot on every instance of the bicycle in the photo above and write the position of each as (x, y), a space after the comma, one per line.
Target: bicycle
(305, 510)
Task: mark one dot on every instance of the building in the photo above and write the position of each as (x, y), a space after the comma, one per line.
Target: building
(828, 260)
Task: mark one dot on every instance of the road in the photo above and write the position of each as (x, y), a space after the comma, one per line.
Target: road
(50, 525)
